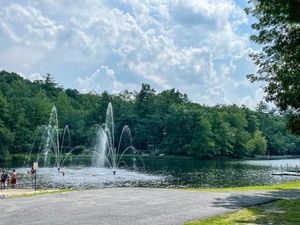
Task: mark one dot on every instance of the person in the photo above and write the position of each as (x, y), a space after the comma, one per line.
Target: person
(32, 171)
(8, 179)
(13, 180)
(3, 178)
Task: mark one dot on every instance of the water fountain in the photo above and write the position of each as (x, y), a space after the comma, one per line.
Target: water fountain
(106, 153)
(55, 150)
(51, 146)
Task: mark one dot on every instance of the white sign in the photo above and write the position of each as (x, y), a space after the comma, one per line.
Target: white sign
(35, 165)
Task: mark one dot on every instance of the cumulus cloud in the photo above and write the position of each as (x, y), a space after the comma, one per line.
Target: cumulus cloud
(102, 79)
(28, 26)
(32, 77)
(197, 46)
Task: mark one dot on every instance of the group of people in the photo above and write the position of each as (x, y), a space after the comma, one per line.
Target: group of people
(8, 179)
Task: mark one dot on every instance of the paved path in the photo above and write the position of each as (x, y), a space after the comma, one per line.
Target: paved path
(132, 206)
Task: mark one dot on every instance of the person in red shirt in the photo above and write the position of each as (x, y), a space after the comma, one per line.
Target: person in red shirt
(13, 180)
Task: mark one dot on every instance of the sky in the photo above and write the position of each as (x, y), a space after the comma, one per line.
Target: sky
(199, 47)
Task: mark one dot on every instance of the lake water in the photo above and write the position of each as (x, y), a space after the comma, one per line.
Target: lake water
(161, 172)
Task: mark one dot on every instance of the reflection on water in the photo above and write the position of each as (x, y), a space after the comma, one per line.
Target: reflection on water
(276, 163)
(161, 172)
(207, 173)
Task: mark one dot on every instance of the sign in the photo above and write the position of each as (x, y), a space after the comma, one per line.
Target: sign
(35, 165)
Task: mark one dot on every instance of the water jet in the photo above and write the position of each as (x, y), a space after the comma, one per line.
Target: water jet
(105, 152)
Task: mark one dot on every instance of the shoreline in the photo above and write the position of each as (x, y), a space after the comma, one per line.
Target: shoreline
(22, 156)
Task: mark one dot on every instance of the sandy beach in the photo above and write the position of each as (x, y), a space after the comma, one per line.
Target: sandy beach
(9, 192)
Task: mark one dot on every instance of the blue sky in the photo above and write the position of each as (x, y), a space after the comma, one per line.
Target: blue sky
(199, 47)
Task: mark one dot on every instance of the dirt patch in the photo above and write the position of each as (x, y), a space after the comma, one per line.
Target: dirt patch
(5, 193)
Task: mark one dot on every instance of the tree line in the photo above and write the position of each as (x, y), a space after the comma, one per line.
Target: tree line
(161, 123)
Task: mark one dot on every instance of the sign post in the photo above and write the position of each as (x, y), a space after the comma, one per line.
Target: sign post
(34, 167)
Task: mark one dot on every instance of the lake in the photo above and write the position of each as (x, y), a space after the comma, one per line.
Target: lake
(161, 172)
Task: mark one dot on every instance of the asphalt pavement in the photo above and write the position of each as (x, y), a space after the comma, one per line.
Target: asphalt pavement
(134, 206)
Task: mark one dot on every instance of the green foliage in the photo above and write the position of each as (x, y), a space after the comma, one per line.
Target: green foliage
(165, 122)
(6, 139)
(278, 32)
(283, 212)
(257, 144)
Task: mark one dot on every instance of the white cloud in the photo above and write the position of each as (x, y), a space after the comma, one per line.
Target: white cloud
(196, 46)
(33, 77)
(27, 25)
(102, 79)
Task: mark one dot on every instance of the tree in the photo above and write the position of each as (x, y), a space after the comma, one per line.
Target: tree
(166, 122)
(202, 143)
(222, 135)
(51, 86)
(278, 27)
(262, 107)
(6, 137)
(38, 109)
(144, 100)
(178, 132)
(3, 107)
(257, 145)
(252, 122)
(72, 93)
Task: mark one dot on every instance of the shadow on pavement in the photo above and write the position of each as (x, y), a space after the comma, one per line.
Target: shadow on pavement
(238, 200)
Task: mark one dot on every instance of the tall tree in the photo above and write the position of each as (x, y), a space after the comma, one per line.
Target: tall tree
(278, 32)
(144, 100)
(51, 86)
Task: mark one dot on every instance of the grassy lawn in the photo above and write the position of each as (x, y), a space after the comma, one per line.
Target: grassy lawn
(281, 212)
(284, 186)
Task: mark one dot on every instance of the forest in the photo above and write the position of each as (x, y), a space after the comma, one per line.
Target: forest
(165, 122)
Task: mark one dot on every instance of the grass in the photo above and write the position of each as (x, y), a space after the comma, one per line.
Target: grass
(47, 192)
(283, 186)
(44, 192)
(283, 212)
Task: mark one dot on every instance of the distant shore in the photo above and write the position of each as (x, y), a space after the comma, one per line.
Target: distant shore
(22, 156)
